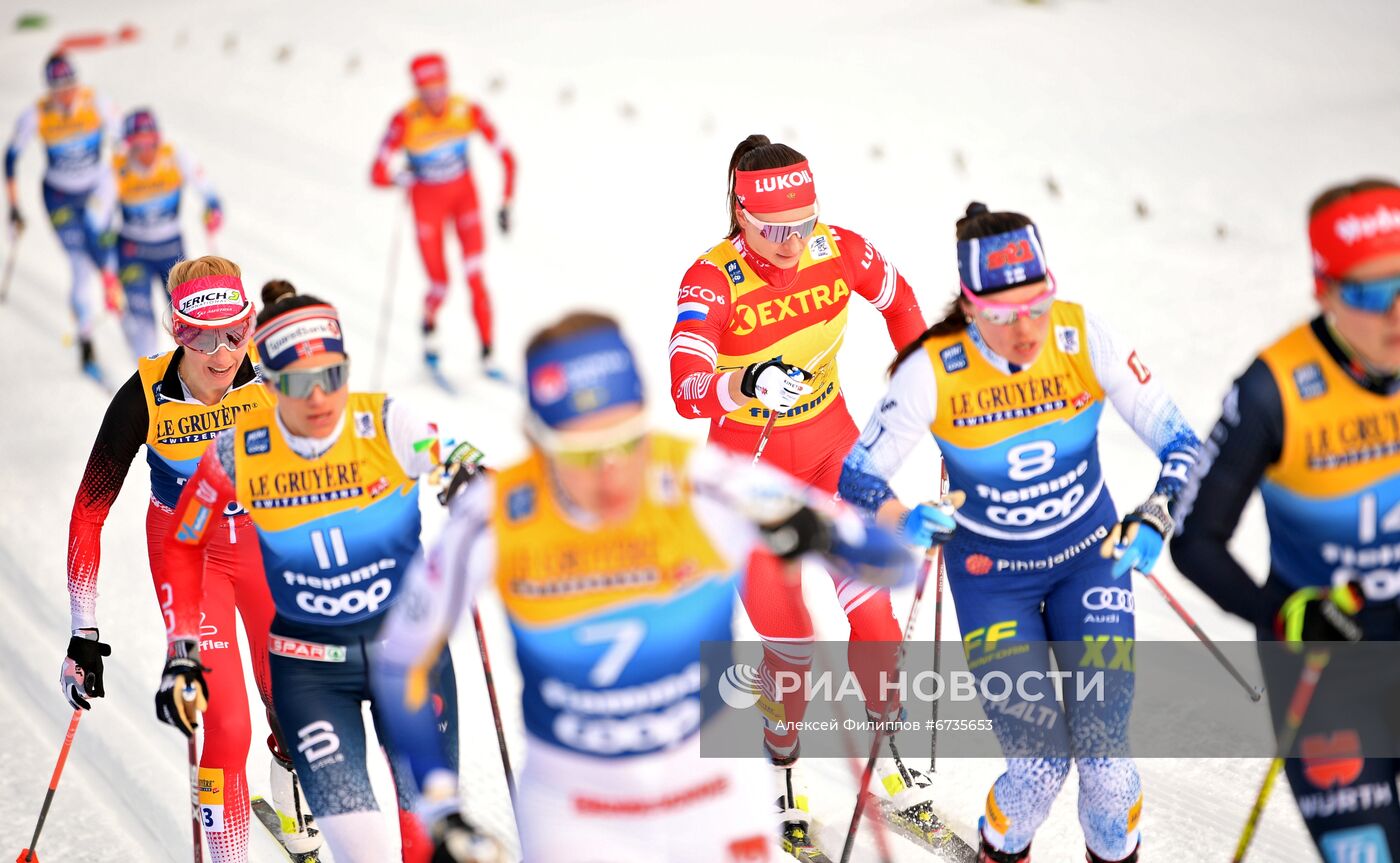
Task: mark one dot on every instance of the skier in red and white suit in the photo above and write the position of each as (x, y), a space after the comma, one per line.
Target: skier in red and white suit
(432, 130)
(766, 301)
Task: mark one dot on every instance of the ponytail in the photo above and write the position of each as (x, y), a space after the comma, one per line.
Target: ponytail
(977, 221)
(756, 153)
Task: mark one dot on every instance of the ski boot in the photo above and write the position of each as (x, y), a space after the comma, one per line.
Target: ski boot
(456, 840)
(489, 368)
(431, 346)
(88, 361)
(987, 854)
(1091, 857)
(298, 833)
(793, 812)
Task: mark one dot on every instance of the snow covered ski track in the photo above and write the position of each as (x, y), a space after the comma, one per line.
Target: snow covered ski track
(1168, 168)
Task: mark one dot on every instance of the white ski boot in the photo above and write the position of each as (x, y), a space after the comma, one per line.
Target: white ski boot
(299, 834)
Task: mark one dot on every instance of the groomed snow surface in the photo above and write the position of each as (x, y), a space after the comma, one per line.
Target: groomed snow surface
(1220, 119)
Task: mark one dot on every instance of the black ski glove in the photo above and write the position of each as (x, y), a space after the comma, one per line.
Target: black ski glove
(82, 668)
(183, 694)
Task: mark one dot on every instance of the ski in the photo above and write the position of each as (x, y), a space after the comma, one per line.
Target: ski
(436, 375)
(800, 846)
(494, 374)
(267, 816)
(93, 372)
(922, 826)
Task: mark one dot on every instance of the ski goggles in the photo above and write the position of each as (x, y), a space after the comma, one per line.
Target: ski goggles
(1375, 296)
(591, 448)
(208, 340)
(300, 383)
(778, 232)
(1004, 314)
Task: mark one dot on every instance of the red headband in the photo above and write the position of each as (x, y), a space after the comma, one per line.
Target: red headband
(775, 190)
(428, 69)
(1354, 230)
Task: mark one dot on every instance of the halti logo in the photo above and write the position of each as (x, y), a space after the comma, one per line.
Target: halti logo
(782, 181)
(1068, 337)
(256, 441)
(736, 272)
(954, 359)
(1310, 382)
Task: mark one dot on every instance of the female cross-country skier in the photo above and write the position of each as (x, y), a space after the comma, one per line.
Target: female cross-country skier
(330, 482)
(1314, 425)
(614, 549)
(175, 404)
(760, 320)
(150, 177)
(71, 121)
(1011, 384)
(433, 130)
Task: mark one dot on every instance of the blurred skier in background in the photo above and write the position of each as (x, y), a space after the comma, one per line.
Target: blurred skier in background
(614, 549)
(150, 175)
(433, 131)
(1314, 425)
(71, 121)
(1012, 384)
(175, 404)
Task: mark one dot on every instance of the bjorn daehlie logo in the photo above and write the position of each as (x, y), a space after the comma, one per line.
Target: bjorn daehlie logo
(738, 686)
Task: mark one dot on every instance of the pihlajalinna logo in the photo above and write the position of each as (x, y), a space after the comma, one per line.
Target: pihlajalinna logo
(738, 686)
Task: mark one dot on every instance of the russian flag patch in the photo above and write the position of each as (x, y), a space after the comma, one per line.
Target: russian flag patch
(691, 312)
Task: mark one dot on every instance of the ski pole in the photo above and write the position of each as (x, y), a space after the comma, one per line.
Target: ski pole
(763, 436)
(931, 558)
(803, 371)
(29, 855)
(10, 263)
(1255, 692)
(495, 705)
(386, 306)
(1313, 663)
(192, 756)
(937, 632)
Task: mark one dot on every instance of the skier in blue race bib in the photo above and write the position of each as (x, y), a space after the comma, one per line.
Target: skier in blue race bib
(1012, 385)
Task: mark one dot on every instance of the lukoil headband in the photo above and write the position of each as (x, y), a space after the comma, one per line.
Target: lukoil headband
(775, 190)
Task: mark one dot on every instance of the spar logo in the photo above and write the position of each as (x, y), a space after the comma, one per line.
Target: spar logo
(738, 686)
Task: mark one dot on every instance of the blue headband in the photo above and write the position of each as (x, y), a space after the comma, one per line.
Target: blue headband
(581, 374)
(1001, 261)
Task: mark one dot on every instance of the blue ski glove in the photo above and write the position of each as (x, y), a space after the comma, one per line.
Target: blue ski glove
(927, 525)
(1137, 541)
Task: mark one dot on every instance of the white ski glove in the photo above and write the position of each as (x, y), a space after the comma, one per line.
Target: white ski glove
(778, 385)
